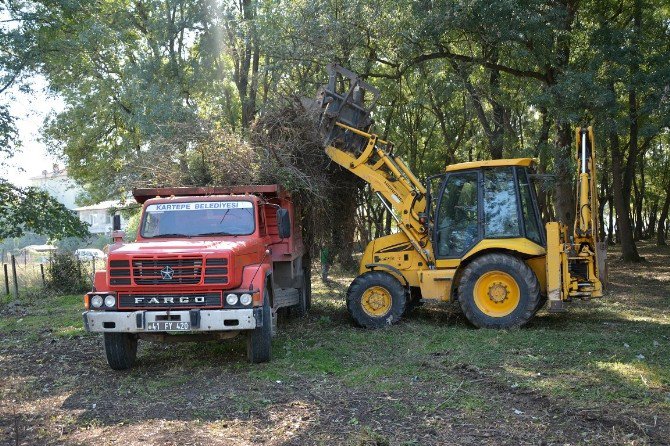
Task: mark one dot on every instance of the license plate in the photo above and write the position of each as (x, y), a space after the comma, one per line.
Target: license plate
(168, 326)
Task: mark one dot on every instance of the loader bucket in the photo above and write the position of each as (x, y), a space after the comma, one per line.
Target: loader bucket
(347, 100)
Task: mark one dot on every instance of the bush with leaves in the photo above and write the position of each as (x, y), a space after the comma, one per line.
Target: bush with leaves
(66, 275)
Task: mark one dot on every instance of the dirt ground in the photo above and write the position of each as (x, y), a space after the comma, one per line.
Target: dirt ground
(599, 374)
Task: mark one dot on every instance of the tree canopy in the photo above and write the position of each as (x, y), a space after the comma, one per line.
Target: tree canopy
(149, 79)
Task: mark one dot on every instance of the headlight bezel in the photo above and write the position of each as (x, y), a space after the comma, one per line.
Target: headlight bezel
(97, 301)
(246, 297)
(110, 298)
(232, 299)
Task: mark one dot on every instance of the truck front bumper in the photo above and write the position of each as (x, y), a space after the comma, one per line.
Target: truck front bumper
(198, 320)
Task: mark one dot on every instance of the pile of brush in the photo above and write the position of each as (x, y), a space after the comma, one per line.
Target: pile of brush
(284, 147)
(287, 138)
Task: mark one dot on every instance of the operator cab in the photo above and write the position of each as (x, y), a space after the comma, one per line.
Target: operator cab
(484, 200)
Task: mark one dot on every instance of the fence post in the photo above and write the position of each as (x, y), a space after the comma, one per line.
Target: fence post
(5, 267)
(16, 279)
(44, 282)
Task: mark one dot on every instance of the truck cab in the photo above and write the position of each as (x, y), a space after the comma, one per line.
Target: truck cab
(207, 264)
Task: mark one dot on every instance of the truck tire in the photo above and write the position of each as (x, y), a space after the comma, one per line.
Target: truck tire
(498, 291)
(300, 309)
(376, 299)
(307, 274)
(120, 349)
(259, 340)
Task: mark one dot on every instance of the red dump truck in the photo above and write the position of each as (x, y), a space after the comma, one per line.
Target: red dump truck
(207, 264)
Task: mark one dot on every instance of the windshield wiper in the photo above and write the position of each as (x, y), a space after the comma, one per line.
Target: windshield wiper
(217, 233)
(170, 235)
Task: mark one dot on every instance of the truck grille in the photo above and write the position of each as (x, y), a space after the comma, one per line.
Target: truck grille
(179, 271)
(216, 271)
(170, 301)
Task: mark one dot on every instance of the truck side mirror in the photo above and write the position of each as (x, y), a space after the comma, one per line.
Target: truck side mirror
(116, 225)
(283, 223)
(117, 233)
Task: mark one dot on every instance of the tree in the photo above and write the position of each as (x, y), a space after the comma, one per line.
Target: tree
(32, 210)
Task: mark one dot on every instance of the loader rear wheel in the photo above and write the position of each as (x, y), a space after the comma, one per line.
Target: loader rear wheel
(498, 291)
(376, 299)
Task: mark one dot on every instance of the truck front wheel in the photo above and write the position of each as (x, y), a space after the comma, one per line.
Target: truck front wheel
(376, 299)
(259, 340)
(121, 350)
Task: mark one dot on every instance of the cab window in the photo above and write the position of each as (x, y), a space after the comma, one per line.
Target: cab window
(530, 216)
(501, 212)
(456, 224)
(262, 230)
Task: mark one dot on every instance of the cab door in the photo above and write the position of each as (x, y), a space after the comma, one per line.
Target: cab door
(457, 215)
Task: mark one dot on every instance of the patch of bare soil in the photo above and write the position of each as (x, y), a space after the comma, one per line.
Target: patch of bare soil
(59, 390)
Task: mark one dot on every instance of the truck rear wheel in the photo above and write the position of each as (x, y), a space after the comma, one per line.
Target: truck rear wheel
(300, 309)
(120, 349)
(259, 340)
(307, 274)
(376, 299)
(498, 291)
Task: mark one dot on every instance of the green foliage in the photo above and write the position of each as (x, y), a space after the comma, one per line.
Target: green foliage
(65, 274)
(32, 210)
(162, 92)
(133, 226)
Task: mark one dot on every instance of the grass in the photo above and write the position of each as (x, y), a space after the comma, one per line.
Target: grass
(60, 315)
(601, 355)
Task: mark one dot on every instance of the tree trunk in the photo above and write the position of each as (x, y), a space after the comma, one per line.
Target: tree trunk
(622, 204)
(639, 201)
(660, 233)
(610, 229)
(564, 200)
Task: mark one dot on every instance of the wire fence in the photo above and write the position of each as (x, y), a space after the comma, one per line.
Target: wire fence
(19, 278)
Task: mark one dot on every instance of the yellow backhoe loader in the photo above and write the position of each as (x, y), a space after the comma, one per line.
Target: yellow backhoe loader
(478, 238)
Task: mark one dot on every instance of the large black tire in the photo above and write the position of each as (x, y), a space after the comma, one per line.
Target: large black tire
(300, 309)
(259, 340)
(381, 287)
(528, 301)
(120, 349)
(307, 275)
(541, 302)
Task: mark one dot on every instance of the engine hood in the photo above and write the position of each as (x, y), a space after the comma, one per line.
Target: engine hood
(189, 246)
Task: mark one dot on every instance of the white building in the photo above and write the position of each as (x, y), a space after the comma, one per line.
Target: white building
(99, 216)
(61, 187)
(57, 184)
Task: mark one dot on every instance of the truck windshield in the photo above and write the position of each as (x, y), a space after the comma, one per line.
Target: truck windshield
(198, 218)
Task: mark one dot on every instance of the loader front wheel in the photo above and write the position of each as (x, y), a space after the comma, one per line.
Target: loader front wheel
(376, 299)
(498, 291)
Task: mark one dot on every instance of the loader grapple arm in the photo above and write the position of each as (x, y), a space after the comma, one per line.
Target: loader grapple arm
(345, 105)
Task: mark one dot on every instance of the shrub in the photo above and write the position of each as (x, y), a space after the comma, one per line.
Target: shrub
(66, 275)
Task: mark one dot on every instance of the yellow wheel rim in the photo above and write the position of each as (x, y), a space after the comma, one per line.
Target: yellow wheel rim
(496, 294)
(376, 301)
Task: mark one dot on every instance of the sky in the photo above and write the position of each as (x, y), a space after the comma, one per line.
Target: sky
(30, 110)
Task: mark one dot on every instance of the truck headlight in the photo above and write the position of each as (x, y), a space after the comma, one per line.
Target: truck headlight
(110, 301)
(231, 299)
(96, 301)
(245, 299)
